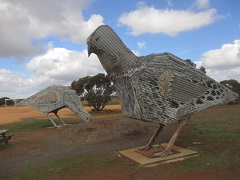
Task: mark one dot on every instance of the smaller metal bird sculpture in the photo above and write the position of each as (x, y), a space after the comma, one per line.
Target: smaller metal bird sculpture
(54, 98)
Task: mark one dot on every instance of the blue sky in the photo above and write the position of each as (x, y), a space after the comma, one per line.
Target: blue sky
(44, 42)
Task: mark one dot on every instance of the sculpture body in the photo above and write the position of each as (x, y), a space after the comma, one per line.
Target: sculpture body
(54, 98)
(160, 88)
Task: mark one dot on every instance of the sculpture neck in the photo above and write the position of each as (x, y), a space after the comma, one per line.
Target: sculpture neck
(115, 64)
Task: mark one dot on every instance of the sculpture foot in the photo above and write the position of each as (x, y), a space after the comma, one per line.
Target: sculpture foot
(153, 138)
(148, 147)
(57, 126)
(145, 148)
(162, 153)
(67, 125)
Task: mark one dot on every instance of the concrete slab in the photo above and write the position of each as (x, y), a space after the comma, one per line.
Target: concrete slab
(147, 160)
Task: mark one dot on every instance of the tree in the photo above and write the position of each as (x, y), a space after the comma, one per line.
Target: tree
(232, 84)
(203, 69)
(190, 62)
(97, 90)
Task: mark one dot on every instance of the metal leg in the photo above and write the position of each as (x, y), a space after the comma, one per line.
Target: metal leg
(59, 118)
(175, 135)
(5, 138)
(153, 138)
(173, 139)
(52, 121)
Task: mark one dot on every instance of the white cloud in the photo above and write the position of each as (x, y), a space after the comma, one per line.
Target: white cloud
(23, 21)
(57, 66)
(64, 65)
(220, 75)
(169, 2)
(224, 63)
(12, 83)
(202, 4)
(140, 4)
(141, 45)
(168, 21)
(8, 79)
(137, 53)
(227, 57)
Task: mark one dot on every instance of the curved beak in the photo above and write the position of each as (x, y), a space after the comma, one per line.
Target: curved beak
(85, 116)
(90, 49)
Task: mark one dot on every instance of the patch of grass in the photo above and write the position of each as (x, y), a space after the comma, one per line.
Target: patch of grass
(27, 125)
(225, 159)
(218, 130)
(75, 165)
(215, 134)
(217, 124)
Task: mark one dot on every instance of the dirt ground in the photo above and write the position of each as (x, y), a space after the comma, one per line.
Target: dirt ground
(107, 134)
(18, 114)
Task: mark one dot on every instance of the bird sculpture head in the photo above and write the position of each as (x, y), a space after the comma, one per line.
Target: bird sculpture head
(111, 51)
(82, 112)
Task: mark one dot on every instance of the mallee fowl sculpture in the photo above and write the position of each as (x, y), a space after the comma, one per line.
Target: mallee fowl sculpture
(54, 98)
(159, 88)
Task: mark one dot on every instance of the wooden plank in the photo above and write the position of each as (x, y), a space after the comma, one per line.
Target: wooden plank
(145, 161)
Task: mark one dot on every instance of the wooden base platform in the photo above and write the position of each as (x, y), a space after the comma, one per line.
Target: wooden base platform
(146, 158)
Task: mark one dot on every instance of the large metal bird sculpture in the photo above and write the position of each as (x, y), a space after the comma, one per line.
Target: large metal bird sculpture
(160, 88)
(54, 98)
